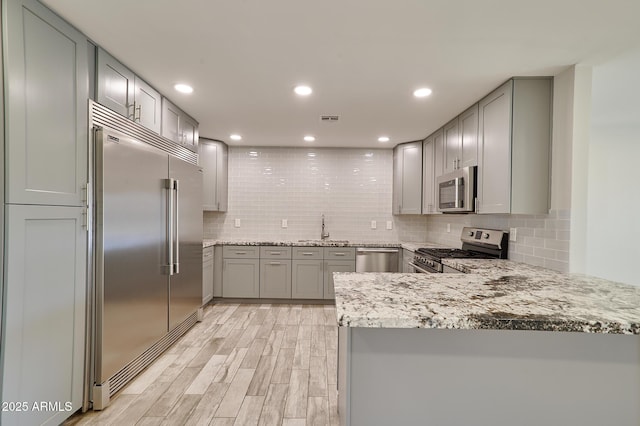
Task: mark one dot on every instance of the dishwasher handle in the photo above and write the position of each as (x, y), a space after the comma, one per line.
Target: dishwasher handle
(376, 250)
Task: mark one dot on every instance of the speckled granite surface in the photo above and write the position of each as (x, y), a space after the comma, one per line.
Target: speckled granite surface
(497, 294)
(319, 243)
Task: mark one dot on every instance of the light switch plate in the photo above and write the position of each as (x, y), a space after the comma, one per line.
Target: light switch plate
(236, 223)
(513, 234)
(285, 223)
(389, 225)
(374, 225)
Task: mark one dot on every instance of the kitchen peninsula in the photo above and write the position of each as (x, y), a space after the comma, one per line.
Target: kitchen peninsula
(506, 343)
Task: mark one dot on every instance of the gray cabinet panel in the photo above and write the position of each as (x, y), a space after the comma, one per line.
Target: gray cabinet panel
(116, 85)
(407, 185)
(428, 176)
(207, 274)
(46, 107)
(451, 145)
(241, 252)
(275, 252)
(217, 272)
(307, 279)
(43, 346)
(340, 253)
(147, 109)
(275, 279)
(468, 122)
(331, 266)
(241, 278)
(213, 158)
(438, 152)
(307, 253)
(170, 121)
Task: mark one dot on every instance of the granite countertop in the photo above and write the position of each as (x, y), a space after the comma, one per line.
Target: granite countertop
(320, 243)
(496, 294)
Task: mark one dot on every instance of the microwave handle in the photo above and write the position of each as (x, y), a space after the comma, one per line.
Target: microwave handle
(457, 192)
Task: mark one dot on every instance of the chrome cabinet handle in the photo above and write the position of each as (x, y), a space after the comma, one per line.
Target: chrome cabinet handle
(137, 109)
(275, 263)
(241, 252)
(339, 254)
(275, 253)
(454, 164)
(307, 253)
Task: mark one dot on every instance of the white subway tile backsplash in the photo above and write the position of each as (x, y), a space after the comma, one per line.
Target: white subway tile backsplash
(351, 187)
(542, 240)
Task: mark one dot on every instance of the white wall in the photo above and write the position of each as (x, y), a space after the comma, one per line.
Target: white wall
(613, 194)
(351, 187)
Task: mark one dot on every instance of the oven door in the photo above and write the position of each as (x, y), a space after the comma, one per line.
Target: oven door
(456, 191)
(423, 269)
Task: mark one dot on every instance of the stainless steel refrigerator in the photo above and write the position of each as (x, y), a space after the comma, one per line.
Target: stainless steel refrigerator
(148, 254)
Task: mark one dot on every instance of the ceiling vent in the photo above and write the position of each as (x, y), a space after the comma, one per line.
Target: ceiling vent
(329, 118)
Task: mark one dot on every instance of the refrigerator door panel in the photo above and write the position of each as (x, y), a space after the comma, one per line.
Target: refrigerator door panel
(185, 285)
(131, 250)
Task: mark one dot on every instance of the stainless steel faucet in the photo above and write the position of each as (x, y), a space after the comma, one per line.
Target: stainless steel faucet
(323, 235)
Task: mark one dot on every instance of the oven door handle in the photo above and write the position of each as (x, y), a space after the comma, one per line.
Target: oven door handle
(420, 269)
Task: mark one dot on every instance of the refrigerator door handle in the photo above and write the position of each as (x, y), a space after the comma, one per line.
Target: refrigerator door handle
(170, 183)
(177, 223)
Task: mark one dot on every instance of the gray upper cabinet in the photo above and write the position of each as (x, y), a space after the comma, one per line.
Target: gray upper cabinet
(178, 126)
(407, 178)
(147, 106)
(213, 158)
(45, 107)
(451, 145)
(122, 91)
(430, 166)
(514, 140)
(461, 141)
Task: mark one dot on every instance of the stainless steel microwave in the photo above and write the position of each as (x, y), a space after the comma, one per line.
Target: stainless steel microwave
(456, 191)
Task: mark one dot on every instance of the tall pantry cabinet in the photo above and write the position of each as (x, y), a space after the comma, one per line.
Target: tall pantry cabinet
(45, 60)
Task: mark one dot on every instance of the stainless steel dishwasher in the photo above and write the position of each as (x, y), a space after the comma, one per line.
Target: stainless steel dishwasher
(376, 259)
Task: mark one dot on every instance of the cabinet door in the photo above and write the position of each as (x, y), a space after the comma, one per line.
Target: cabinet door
(222, 179)
(397, 179)
(331, 266)
(494, 171)
(207, 275)
(116, 85)
(275, 279)
(208, 160)
(428, 176)
(438, 153)
(469, 137)
(44, 319)
(408, 178)
(170, 120)
(46, 107)
(241, 278)
(451, 145)
(188, 131)
(307, 279)
(148, 106)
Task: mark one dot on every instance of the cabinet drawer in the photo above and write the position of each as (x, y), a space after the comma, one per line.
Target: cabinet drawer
(340, 253)
(275, 252)
(241, 252)
(307, 253)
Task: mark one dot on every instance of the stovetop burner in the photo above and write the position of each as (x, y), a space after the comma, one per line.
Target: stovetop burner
(442, 253)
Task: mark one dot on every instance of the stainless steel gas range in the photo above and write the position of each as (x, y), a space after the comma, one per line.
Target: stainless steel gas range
(476, 244)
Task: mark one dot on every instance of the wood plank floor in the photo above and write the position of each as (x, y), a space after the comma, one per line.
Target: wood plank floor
(244, 364)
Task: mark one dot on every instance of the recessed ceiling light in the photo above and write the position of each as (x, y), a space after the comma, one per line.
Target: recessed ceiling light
(383, 139)
(309, 138)
(183, 88)
(422, 92)
(303, 90)
(235, 137)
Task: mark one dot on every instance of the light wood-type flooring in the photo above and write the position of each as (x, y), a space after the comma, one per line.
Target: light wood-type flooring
(245, 364)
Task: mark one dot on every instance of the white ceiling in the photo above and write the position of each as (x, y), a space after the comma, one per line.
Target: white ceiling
(363, 58)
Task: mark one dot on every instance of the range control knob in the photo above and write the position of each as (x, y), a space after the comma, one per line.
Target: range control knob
(471, 233)
(486, 236)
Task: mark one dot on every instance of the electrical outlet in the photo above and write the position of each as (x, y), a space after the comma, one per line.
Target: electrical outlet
(389, 225)
(513, 234)
(285, 223)
(236, 223)
(448, 227)
(374, 225)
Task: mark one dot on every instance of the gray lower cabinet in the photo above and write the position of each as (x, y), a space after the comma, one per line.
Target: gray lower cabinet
(407, 257)
(331, 266)
(207, 274)
(275, 272)
(45, 106)
(217, 271)
(44, 317)
(308, 279)
(241, 271)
